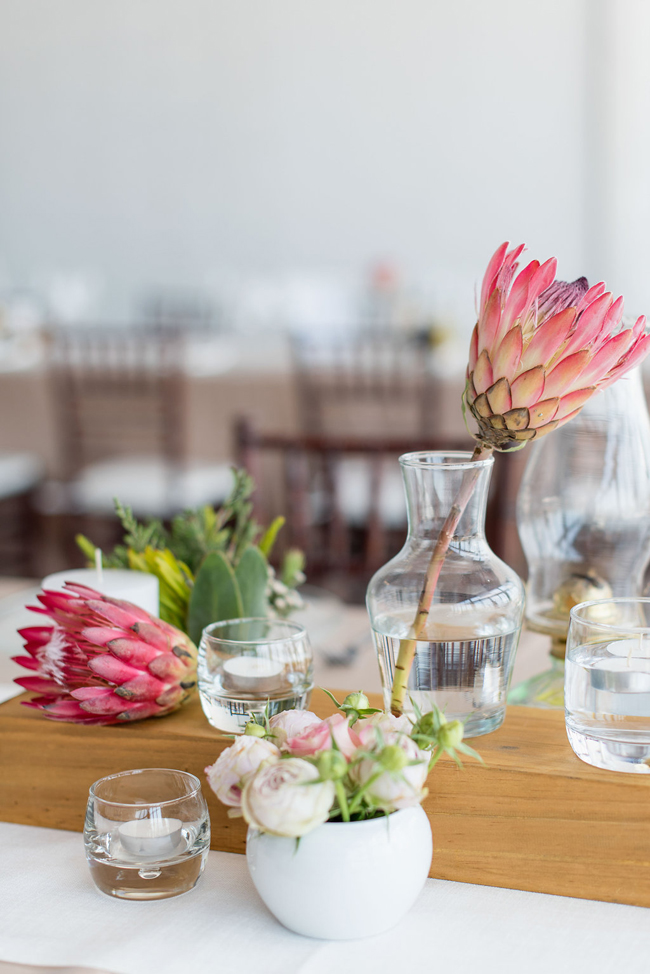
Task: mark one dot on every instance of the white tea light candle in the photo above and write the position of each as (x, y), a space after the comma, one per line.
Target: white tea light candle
(252, 674)
(151, 838)
(141, 588)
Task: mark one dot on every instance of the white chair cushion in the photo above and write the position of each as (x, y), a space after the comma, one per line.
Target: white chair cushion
(149, 486)
(353, 484)
(19, 472)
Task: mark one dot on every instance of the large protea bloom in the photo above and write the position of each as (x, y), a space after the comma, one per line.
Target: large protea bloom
(104, 661)
(541, 348)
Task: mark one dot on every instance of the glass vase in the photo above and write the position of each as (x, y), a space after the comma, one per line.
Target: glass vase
(583, 514)
(465, 652)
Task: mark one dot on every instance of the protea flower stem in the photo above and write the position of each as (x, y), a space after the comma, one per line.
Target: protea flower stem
(407, 646)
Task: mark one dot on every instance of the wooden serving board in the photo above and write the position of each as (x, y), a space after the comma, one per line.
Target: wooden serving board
(534, 818)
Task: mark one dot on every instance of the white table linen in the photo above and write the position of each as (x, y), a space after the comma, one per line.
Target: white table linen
(51, 913)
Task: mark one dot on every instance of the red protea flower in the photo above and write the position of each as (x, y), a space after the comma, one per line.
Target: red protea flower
(104, 661)
(541, 348)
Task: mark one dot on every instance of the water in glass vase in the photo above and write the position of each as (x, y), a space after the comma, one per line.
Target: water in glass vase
(464, 674)
(468, 609)
(607, 699)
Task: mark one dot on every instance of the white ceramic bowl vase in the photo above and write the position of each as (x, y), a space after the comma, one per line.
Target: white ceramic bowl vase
(343, 880)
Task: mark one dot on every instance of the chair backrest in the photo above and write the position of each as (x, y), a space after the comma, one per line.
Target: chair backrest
(365, 383)
(117, 392)
(343, 499)
(189, 310)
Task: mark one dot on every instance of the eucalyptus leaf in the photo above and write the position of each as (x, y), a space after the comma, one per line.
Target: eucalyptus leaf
(215, 595)
(252, 578)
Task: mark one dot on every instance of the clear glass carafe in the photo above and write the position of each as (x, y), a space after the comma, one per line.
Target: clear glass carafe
(583, 514)
(464, 655)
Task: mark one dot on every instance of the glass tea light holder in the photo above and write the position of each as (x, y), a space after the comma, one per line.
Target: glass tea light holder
(249, 666)
(147, 833)
(607, 683)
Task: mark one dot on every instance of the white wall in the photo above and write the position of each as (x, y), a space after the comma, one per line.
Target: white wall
(151, 141)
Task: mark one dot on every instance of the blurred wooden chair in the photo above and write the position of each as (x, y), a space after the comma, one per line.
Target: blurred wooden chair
(375, 385)
(20, 476)
(190, 310)
(306, 478)
(119, 401)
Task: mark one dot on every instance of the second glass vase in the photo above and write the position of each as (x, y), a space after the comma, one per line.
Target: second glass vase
(465, 652)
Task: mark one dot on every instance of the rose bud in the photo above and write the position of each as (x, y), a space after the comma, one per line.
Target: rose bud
(356, 701)
(254, 730)
(450, 734)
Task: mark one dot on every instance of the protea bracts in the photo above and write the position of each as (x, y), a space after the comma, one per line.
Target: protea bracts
(541, 348)
(104, 661)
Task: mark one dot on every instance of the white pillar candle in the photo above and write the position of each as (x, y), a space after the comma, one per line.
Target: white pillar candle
(141, 588)
(252, 674)
(151, 838)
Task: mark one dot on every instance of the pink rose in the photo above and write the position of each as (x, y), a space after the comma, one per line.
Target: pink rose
(227, 774)
(313, 740)
(322, 737)
(390, 729)
(346, 738)
(286, 798)
(291, 723)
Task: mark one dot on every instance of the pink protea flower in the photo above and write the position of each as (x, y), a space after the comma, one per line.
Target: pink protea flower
(104, 661)
(541, 348)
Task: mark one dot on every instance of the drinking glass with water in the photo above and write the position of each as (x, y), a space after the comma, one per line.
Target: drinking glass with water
(607, 683)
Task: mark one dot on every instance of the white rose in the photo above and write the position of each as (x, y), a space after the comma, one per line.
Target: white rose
(226, 775)
(281, 799)
(291, 723)
(398, 783)
(382, 728)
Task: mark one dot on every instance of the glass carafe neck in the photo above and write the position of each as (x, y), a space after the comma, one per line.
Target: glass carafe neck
(434, 482)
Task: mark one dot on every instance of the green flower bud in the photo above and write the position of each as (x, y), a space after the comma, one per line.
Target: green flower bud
(356, 701)
(331, 765)
(425, 725)
(451, 734)
(393, 758)
(254, 730)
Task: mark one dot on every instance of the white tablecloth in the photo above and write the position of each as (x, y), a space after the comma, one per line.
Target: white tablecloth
(51, 913)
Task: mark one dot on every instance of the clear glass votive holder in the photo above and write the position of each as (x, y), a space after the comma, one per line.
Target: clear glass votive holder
(248, 665)
(607, 683)
(147, 833)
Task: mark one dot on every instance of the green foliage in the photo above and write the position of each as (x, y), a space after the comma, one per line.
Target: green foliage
(215, 595)
(139, 536)
(293, 568)
(267, 540)
(252, 576)
(196, 586)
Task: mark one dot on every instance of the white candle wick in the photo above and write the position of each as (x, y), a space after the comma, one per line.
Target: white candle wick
(99, 567)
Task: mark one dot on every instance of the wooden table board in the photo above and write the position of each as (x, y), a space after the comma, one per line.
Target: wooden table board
(534, 818)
